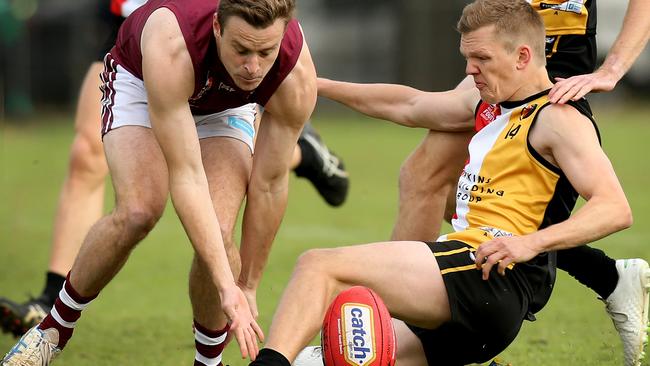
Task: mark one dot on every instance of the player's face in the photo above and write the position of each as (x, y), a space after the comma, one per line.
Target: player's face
(489, 63)
(248, 52)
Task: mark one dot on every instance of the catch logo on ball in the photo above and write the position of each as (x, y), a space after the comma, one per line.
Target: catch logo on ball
(358, 330)
(358, 334)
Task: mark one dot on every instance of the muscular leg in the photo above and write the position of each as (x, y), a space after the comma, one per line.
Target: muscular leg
(139, 175)
(227, 164)
(426, 178)
(405, 275)
(82, 195)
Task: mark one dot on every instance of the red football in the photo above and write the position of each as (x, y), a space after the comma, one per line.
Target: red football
(358, 331)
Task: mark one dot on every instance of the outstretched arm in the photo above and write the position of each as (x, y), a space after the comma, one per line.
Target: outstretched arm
(169, 79)
(628, 45)
(448, 111)
(282, 120)
(567, 139)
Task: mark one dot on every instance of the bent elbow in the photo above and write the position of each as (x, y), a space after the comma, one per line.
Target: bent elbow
(628, 219)
(624, 218)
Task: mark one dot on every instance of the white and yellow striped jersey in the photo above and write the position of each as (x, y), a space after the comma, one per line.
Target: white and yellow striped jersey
(508, 188)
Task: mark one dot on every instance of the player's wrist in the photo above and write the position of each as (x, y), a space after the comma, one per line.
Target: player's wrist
(538, 244)
(247, 281)
(612, 71)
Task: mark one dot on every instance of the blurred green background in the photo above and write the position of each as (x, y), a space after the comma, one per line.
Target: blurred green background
(143, 317)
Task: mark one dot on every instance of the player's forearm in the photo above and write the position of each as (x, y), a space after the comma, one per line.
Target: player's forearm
(265, 207)
(631, 40)
(193, 206)
(598, 218)
(383, 101)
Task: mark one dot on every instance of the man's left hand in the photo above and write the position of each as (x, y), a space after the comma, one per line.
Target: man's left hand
(503, 251)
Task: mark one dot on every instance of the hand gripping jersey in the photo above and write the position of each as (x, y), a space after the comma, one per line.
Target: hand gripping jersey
(506, 187)
(214, 89)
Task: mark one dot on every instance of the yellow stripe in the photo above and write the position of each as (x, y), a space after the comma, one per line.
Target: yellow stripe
(451, 252)
(458, 269)
(555, 44)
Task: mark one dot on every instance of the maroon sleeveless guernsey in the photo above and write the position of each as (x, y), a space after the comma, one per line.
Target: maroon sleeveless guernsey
(214, 89)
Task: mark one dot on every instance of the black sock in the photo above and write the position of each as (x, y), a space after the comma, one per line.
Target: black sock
(591, 267)
(53, 284)
(269, 357)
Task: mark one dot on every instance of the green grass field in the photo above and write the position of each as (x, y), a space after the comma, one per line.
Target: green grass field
(143, 317)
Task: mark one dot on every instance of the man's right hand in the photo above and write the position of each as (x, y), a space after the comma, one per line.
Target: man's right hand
(578, 86)
(242, 323)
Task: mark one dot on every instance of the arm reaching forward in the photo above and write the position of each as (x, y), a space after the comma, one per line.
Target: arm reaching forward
(448, 111)
(169, 79)
(282, 120)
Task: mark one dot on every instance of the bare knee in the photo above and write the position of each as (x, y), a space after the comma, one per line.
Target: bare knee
(312, 263)
(411, 175)
(87, 161)
(136, 220)
(434, 165)
(318, 267)
(420, 174)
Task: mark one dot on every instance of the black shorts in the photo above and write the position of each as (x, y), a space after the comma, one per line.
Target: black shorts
(485, 315)
(570, 55)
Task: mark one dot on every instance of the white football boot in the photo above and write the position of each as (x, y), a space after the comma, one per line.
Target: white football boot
(628, 307)
(36, 348)
(309, 356)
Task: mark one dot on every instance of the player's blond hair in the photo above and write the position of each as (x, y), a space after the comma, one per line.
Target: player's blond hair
(258, 13)
(515, 22)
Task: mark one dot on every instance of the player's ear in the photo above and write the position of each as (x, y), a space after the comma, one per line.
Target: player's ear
(216, 27)
(524, 56)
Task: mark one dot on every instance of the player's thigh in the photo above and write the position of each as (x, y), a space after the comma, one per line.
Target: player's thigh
(137, 166)
(227, 144)
(227, 164)
(405, 274)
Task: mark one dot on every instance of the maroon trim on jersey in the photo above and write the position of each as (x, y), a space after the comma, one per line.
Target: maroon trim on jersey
(214, 90)
(108, 93)
(218, 91)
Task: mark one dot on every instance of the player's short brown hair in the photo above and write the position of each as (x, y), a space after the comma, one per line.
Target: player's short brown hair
(515, 21)
(258, 13)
